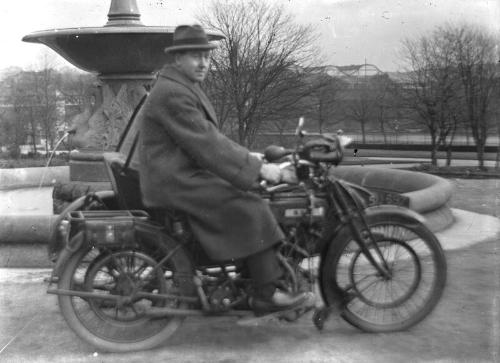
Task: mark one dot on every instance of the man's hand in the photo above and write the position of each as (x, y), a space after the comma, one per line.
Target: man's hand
(271, 173)
(288, 175)
(259, 156)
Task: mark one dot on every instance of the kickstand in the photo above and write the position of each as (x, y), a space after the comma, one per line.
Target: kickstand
(321, 315)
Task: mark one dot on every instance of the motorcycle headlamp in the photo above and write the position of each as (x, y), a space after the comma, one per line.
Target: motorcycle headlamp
(327, 149)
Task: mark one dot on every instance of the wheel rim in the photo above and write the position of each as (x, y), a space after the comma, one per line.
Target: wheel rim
(370, 298)
(119, 273)
(372, 288)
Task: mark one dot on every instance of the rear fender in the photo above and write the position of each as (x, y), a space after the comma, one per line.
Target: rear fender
(56, 240)
(77, 242)
(69, 249)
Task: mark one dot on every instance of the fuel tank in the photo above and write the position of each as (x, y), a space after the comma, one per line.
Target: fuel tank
(292, 205)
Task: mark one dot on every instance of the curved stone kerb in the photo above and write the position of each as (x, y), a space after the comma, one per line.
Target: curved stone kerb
(32, 177)
(426, 192)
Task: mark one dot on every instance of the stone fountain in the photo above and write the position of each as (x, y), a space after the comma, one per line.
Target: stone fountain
(125, 54)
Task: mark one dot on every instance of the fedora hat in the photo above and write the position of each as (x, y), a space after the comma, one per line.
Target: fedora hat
(190, 37)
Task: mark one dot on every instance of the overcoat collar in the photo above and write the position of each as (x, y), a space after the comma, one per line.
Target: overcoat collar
(173, 74)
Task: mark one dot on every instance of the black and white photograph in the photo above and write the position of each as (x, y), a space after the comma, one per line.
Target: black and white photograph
(250, 181)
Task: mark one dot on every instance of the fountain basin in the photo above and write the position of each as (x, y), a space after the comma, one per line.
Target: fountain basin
(113, 49)
(427, 194)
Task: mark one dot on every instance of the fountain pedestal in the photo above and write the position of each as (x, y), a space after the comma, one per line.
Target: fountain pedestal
(100, 126)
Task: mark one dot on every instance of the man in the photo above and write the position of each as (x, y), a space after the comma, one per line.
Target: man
(187, 165)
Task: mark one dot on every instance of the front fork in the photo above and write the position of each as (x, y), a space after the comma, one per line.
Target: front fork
(353, 216)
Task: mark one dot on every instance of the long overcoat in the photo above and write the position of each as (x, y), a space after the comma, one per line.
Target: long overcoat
(188, 165)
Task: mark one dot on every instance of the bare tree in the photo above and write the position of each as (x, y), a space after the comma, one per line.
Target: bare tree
(453, 75)
(14, 125)
(220, 97)
(46, 99)
(261, 65)
(325, 99)
(431, 85)
(386, 105)
(358, 104)
(475, 55)
(30, 104)
(43, 85)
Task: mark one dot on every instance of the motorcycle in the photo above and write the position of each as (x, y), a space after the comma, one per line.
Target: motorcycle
(128, 277)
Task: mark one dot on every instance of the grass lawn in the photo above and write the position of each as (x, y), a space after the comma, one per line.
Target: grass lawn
(472, 172)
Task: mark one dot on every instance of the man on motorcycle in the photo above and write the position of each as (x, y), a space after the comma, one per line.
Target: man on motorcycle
(188, 165)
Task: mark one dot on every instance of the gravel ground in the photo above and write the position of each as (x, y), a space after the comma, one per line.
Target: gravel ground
(477, 195)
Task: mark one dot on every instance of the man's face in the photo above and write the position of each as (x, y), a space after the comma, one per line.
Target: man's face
(194, 64)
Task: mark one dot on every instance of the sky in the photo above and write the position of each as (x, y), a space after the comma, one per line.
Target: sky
(350, 31)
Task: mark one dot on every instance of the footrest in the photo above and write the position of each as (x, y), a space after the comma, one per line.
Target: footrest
(289, 315)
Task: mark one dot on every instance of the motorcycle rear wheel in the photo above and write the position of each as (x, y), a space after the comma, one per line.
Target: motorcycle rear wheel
(107, 325)
(374, 303)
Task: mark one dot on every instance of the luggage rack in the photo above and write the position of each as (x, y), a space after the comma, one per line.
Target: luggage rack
(81, 215)
(108, 227)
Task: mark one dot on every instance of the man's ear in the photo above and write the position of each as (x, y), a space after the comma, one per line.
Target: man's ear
(170, 58)
(176, 57)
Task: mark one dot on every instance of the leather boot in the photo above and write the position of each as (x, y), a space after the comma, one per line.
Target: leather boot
(278, 301)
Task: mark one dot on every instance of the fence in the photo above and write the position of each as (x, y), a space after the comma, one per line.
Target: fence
(461, 142)
(407, 138)
(391, 138)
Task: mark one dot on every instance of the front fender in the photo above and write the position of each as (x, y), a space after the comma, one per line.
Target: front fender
(374, 213)
(395, 212)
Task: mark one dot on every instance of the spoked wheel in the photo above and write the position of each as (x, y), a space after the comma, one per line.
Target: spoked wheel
(376, 302)
(373, 289)
(120, 323)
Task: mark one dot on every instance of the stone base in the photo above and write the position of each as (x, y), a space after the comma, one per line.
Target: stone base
(87, 165)
(32, 255)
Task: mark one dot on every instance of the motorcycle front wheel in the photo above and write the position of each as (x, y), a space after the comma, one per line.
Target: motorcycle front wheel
(115, 325)
(376, 303)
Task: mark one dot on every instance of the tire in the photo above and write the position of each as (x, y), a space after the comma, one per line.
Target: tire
(371, 302)
(112, 328)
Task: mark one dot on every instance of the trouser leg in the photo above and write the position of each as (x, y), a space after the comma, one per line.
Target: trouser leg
(265, 270)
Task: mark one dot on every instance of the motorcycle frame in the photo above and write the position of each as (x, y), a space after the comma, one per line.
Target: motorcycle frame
(350, 216)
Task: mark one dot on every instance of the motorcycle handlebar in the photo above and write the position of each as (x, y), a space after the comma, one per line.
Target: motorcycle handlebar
(273, 153)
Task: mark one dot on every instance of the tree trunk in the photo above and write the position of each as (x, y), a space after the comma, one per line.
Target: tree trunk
(382, 128)
(480, 154)
(448, 155)
(363, 131)
(241, 132)
(497, 159)
(434, 147)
